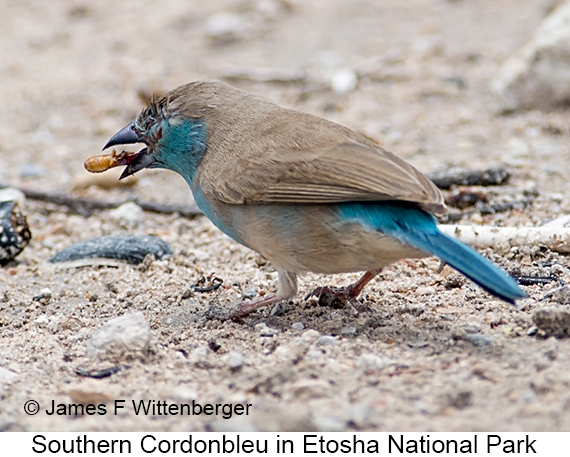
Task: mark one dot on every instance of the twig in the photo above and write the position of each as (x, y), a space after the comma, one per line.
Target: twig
(457, 176)
(269, 76)
(556, 239)
(86, 206)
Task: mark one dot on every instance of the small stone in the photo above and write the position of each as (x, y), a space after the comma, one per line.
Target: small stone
(200, 354)
(130, 248)
(327, 340)
(459, 400)
(282, 352)
(45, 293)
(249, 293)
(370, 363)
(472, 327)
(553, 321)
(123, 338)
(560, 295)
(297, 326)
(426, 290)
(41, 321)
(348, 330)
(314, 354)
(129, 214)
(264, 330)
(15, 233)
(185, 394)
(11, 194)
(235, 360)
(478, 339)
(310, 335)
(70, 323)
(344, 80)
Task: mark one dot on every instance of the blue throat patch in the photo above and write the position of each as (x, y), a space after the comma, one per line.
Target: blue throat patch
(182, 146)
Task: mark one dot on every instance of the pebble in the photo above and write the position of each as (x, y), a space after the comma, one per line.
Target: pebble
(235, 360)
(44, 293)
(249, 293)
(554, 321)
(123, 338)
(129, 214)
(297, 326)
(327, 340)
(130, 248)
(200, 354)
(14, 231)
(185, 394)
(426, 290)
(315, 354)
(41, 321)
(478, 339)
(370, 363)
(472, 327)
(264, 330)
(69, 323)
(11, 194)
(348, 330)
(309, 336)
(560, 295)
(344, 80)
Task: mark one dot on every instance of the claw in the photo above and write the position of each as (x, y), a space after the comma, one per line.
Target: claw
(333, 296)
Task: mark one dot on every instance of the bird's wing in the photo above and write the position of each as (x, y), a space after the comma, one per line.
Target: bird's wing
(349, 171)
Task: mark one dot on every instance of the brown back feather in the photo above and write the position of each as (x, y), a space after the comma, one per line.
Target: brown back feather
(258, 152)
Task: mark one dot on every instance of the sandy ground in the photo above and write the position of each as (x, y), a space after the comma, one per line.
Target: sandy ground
(434, 352)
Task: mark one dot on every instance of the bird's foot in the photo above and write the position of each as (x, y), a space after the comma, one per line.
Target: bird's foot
(219, 314)
(247, 307)
(335, 297)
(243, 309)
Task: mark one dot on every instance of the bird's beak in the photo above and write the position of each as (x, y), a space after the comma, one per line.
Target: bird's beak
(126, 135)
(134, 162)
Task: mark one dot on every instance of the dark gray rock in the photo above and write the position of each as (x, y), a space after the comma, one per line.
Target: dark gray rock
(130, 248)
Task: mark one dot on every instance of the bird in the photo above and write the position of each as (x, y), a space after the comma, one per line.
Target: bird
(308, 194)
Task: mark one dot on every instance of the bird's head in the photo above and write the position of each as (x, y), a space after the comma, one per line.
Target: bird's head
(173, 141)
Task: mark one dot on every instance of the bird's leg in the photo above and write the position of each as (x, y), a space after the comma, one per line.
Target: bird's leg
(287, 288)
(327, 296)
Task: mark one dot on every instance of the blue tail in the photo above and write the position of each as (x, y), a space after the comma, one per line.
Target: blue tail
(415, 227)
